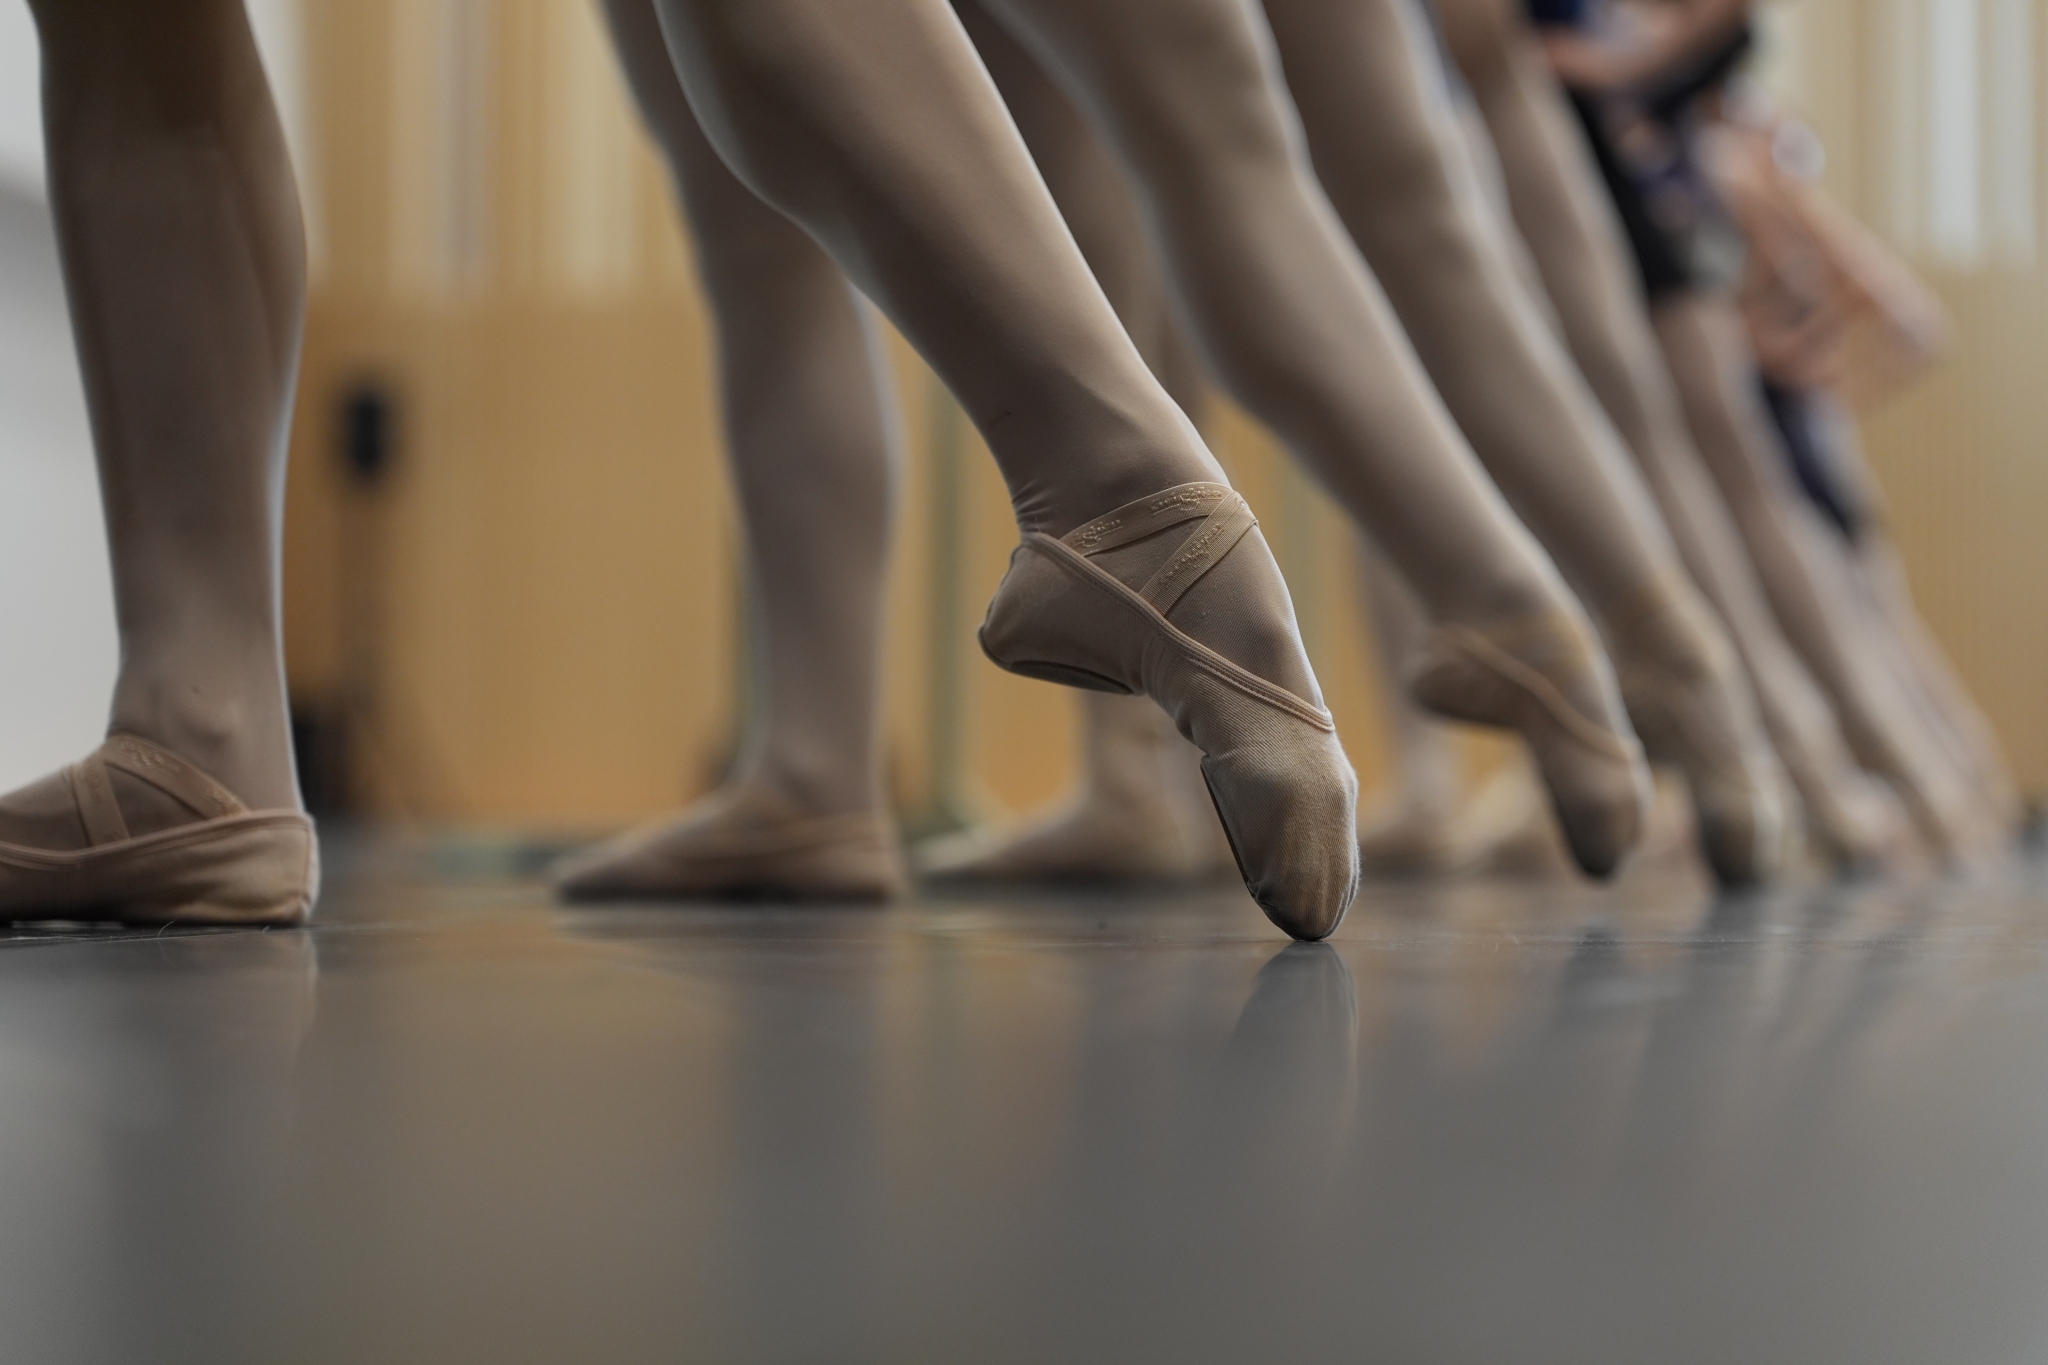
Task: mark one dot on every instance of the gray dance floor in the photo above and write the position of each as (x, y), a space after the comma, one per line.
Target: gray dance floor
(1489, 1123)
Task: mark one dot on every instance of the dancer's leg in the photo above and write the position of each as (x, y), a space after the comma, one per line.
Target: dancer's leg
(1568, 223)
(873, 125)
(1138, 813)
(1289, 319)
(804, 396)
(1703, 342)
(183, 256)
(1387, 144)
(1294, 326)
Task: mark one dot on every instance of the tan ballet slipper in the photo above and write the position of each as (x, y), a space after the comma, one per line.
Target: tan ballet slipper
(1408, 840)
(1086, 843)
(1692, 708)
(1938, 809)
(1142, 816)
(231, 865)
(1274, 768)
(1507, 828)
(1543, 676)
(1851, 823)
(741, 845)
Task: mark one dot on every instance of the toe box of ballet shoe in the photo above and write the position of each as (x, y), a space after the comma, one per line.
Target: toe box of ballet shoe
(1290, 809)
(1743, 826)
(1602, 814)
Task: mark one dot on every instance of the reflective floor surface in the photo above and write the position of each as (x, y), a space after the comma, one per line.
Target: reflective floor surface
(1489, 1124)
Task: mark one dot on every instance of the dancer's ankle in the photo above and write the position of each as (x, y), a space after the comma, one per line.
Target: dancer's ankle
(806, 789)
(239, 736)
(1114, 474)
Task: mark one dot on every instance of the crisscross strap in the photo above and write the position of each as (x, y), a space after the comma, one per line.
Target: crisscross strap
(1226, 518)
(100, 811)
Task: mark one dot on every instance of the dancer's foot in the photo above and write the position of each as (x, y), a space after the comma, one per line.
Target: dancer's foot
(1176, 596)
(742, 842)
(1142, 815)
(138, 834)
(1941, 810)
(1089, 842)
(1852, 823)
(1411, 838)
(1507, 829)
(1693, 709)
(1543, 676)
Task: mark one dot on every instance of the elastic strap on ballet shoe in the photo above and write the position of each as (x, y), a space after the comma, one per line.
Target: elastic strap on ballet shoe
(99, 810)
(1227, 520)
(169, 774)
(93, 793)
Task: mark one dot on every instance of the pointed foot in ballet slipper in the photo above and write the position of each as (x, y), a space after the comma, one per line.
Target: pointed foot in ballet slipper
(228, 865)
(1543, 676)
(1737, 794)
(1276, 772)
(730, 847)
(1693, 710)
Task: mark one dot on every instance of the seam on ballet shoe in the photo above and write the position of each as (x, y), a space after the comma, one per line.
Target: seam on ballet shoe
(199, 832)
(1193, 651)
(1484, 652)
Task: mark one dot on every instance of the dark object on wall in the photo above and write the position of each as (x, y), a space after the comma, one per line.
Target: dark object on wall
(368, 431)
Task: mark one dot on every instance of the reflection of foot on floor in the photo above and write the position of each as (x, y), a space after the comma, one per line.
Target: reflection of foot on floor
(742, 842)
(136, 834)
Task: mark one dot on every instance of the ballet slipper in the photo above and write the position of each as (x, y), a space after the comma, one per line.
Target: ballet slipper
(1507, 829)
(741, 845)
(1089, 843)
(1850, 822)
(231, 866)
(1937, 811)
(1410, 841)
(1691, 707)
(1274, 768)
(1142, 816)
(1543, 676)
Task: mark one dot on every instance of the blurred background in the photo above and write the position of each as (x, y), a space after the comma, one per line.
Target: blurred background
(510, 592)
